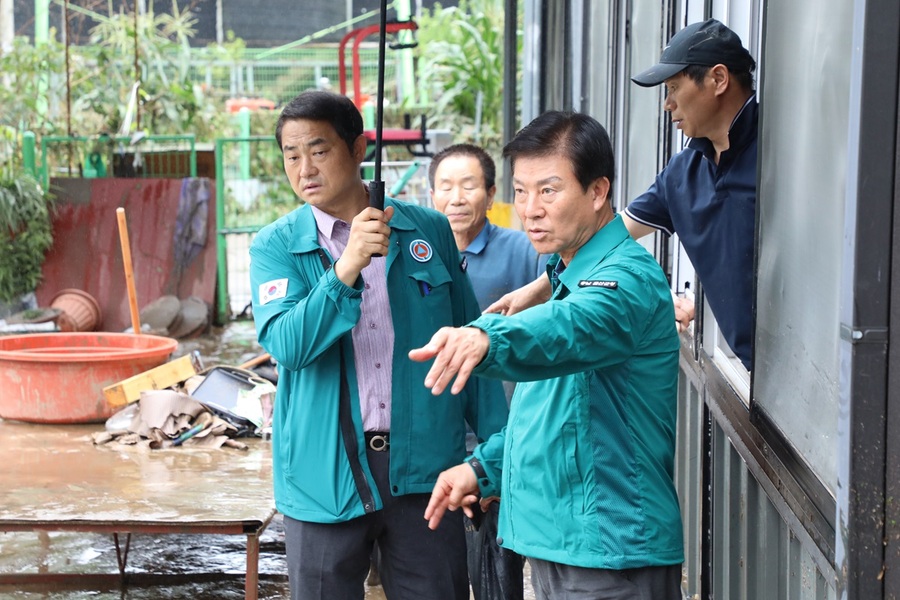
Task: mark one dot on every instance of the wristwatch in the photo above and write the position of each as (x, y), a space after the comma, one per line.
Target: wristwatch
(477, 467)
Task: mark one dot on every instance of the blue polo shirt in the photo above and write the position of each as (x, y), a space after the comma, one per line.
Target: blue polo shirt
(501, 260)
(713, 209)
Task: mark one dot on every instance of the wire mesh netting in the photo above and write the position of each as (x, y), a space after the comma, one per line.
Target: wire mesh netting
(280, 77)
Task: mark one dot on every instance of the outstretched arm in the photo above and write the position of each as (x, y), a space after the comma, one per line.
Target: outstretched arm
(530, 294)
(456, 351)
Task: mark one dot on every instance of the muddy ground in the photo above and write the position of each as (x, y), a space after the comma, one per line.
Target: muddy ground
(188, 567)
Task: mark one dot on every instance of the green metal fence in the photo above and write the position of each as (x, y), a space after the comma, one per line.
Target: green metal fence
(251, 191)
(119, 156)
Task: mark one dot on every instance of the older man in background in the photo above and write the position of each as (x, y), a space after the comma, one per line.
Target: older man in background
(499, 260)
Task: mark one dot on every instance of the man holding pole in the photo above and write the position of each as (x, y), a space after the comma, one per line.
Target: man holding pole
(341, 291)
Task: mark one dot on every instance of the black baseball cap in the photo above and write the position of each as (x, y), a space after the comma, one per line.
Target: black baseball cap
(708, 43)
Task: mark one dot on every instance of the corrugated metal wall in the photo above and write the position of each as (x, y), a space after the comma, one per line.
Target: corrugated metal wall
(753, 553)
(689, 465)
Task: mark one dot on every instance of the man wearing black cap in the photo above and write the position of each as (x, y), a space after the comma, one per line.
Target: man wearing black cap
(707, 192)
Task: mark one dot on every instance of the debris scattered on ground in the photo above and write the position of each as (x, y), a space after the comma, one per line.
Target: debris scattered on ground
(166, 419)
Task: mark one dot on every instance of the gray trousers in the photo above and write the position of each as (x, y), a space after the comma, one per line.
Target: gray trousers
(565, 582)
(330, 561)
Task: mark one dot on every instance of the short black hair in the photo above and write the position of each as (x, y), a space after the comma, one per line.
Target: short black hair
(484, 159)
(318, 105)
(577, 136)
(743, 78)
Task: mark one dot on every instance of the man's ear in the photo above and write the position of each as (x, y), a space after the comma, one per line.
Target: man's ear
(359, 148)
(491, 192)
(600, 189)
(721, 78)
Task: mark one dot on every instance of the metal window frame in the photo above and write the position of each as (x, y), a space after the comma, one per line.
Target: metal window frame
(867, 559)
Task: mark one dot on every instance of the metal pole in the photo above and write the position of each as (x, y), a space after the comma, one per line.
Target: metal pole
(222, 302)
(408, 84)
(28, 158)
(243, 117)
(376, 186)
(137, 73)
(42, 36)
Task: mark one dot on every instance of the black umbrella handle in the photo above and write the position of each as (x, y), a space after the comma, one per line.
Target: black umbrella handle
(376, 194)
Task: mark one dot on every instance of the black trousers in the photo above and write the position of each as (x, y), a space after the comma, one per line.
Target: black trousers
(331, 560)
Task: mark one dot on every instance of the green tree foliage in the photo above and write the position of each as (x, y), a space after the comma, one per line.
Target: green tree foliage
(461, 66)
(170, 102)
(25, 79)
(25, 233)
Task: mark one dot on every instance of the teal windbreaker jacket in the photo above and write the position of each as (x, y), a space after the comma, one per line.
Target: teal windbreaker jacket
(585, 465)
(301, 328)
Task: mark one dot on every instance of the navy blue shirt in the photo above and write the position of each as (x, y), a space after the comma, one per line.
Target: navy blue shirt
(713, 210)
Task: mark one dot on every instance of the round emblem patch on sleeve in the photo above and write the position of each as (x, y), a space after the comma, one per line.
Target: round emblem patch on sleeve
(420, 250)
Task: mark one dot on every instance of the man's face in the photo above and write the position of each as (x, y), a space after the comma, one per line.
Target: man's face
(321, 168)
(460, 193)
(559, 216)
(692, 106)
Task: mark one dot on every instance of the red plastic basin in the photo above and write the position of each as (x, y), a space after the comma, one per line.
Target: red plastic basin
(59, 377)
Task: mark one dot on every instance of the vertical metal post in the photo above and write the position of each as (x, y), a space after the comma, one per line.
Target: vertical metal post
(222, 308)
(862, 504)
(45, 168)
(407, 79)
(42, 36)
(193, 155)
(243, 118)
(28, 152)
(510, 63)
(137, 72)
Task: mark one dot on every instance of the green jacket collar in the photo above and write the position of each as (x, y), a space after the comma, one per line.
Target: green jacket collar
(593, 252)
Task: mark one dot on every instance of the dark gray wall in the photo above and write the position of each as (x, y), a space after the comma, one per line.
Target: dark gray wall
(277, 22)
(259, 23)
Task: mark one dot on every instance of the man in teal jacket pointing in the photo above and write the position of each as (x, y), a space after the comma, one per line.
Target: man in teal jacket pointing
(341, 292)
(585, 464)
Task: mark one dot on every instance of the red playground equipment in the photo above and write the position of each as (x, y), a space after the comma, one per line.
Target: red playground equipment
(415, 140)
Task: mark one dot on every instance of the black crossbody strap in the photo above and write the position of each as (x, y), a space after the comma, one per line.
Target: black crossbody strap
(348, 432)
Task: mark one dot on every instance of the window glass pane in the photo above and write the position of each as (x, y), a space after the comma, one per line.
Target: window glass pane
(802, 154)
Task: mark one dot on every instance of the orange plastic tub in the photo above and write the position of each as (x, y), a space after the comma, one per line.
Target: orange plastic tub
(59, 377)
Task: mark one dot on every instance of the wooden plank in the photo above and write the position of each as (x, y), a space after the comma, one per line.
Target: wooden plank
(157, 378)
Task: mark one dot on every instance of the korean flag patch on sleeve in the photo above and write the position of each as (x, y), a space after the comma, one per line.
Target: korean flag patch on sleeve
(272, 290)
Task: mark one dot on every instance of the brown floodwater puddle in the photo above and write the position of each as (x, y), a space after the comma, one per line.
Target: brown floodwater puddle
(171, 566)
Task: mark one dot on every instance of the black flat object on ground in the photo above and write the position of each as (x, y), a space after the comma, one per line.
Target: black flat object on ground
(219, 393)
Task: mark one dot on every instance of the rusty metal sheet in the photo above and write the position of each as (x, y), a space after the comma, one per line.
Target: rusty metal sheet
(86, 253)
